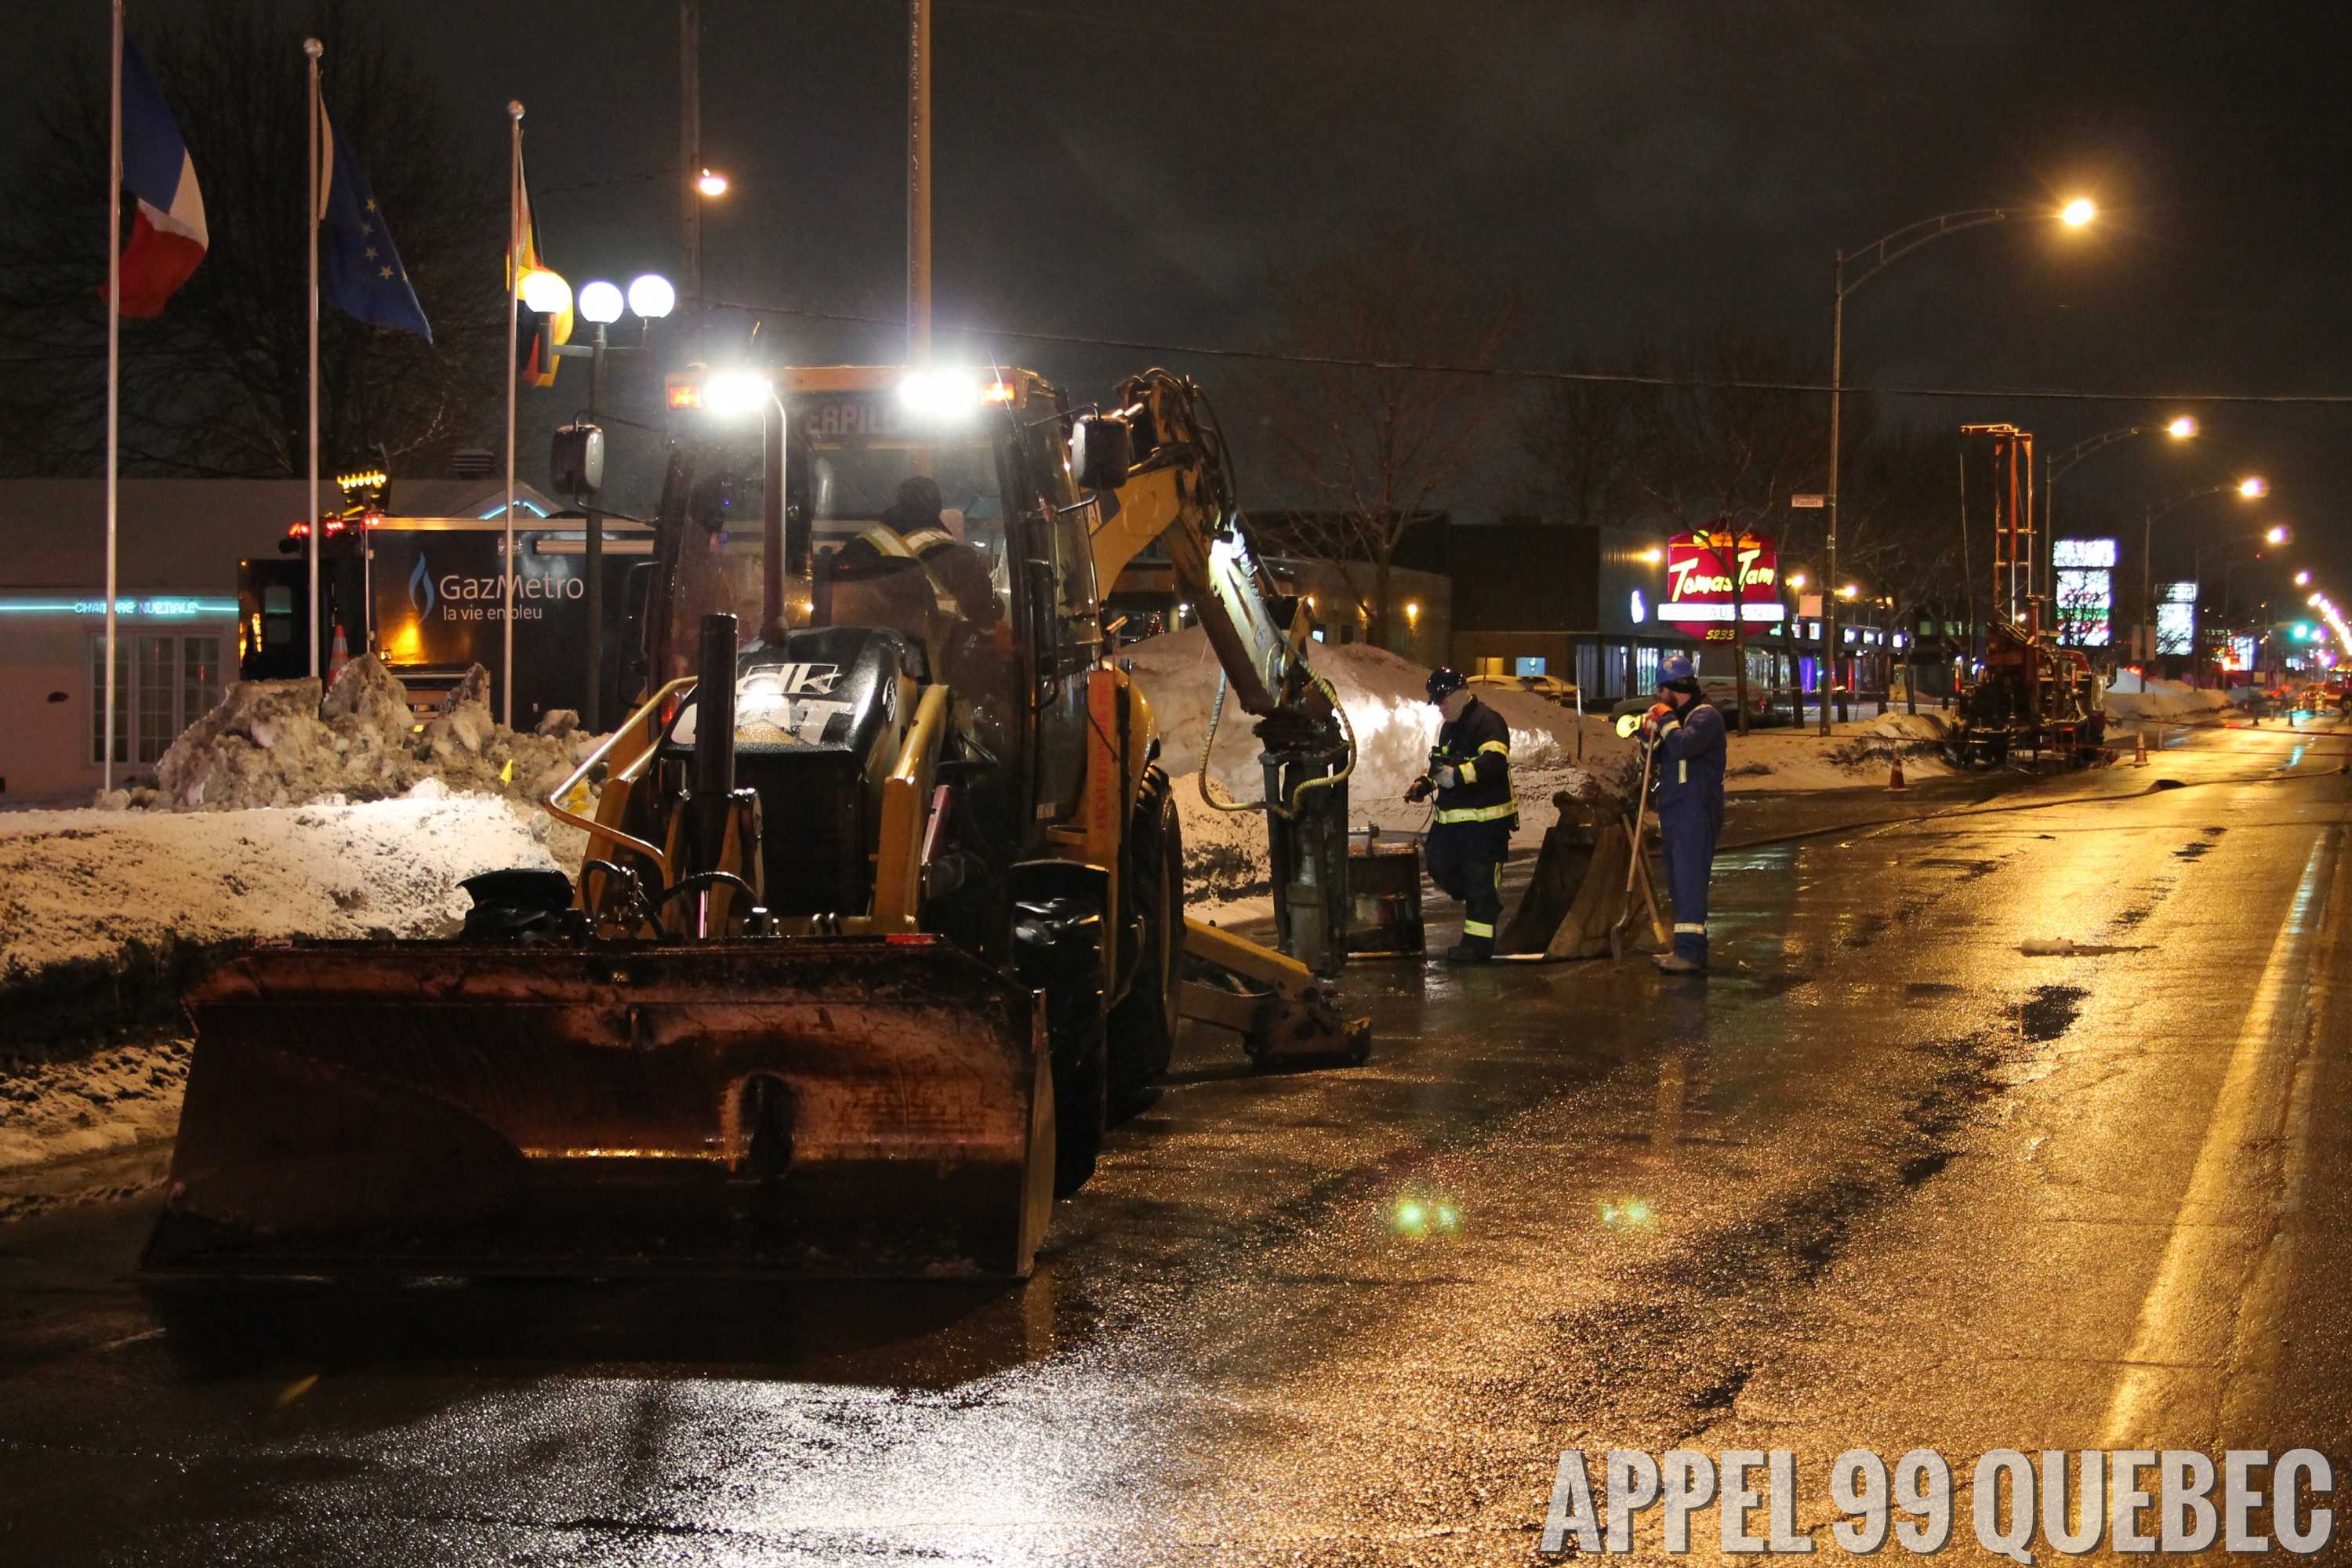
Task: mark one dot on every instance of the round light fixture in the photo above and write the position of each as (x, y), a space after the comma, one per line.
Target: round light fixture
(600, 303)
(546, 293)
(652, 296)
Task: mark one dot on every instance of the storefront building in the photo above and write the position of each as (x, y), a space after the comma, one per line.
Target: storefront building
(179, 543)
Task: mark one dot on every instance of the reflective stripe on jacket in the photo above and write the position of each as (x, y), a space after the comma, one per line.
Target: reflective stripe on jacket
(1478, 746)
(1690, 758)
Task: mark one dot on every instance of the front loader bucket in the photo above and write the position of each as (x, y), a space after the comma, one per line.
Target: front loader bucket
(846, 1106)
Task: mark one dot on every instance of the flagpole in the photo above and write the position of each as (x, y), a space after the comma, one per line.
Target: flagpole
(514, 295)
(313, 48)
(113, 382)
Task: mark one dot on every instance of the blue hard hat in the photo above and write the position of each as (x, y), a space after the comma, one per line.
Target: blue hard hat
(1675, 666)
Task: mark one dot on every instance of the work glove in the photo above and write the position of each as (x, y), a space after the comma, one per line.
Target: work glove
(1658, 714)
(1418, 791)
(1445, 776)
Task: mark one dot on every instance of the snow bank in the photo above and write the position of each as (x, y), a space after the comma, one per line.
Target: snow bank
(280, 742)
(1383, 696)
(104, 913)
(2130, 699)
(120, 1097)
(1937, 727)
(1857, 753)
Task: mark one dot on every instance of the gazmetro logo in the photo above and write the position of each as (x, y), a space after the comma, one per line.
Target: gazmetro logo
(421, 596)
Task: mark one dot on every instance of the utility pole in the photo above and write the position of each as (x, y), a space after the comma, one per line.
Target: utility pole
(1830, 500)
(918, 181)
(689, 148)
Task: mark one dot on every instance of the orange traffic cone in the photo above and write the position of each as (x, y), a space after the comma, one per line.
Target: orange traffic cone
(338, 655)
(1894, 785)
(2139, 747)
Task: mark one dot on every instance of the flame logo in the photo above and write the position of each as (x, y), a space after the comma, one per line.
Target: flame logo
(420, 588)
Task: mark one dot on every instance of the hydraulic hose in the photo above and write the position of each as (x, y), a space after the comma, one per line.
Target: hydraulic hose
(1208, 742)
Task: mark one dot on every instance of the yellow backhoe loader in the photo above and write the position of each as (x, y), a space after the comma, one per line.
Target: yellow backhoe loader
(881, 915)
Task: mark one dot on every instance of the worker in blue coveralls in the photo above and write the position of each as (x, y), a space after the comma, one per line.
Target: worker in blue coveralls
(1686, 734)
(1470, 774)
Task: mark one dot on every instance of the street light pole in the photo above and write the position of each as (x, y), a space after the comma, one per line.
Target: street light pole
(1881, 255)
(2058, 465)
(918, 181)
(2252, 488)
(591, 554)
(689, 148)
(650, 298)
(1830, 500)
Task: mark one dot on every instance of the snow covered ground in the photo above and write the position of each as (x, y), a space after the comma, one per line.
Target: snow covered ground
(1855, 753)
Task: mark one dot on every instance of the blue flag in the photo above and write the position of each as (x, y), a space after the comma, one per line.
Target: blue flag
(359, 271)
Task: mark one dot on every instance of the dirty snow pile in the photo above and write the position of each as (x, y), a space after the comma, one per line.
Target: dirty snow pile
(105, 915)
(1857, 752)
(2130, 699)
(120, 1097)
(1383, 696)
(280, 742)
(90, 898)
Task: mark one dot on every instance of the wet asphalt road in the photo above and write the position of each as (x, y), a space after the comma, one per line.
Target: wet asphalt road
(1882, 1182)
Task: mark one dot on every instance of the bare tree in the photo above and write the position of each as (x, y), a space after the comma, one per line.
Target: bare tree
(1900, 510)
(217, 384)
(1378, 446)
(1581, 435)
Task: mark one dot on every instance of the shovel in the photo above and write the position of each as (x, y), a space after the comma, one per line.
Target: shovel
(1627, 726)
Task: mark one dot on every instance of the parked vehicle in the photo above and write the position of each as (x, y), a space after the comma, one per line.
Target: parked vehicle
(1551, 687)
(1722, 691)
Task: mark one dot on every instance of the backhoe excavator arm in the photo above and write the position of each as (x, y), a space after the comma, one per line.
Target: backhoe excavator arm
(1177, 489)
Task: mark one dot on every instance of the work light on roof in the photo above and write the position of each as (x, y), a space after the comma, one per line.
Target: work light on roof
(736, 392)
(940, 393)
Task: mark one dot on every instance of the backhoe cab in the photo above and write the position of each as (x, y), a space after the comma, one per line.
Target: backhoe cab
(881, 916)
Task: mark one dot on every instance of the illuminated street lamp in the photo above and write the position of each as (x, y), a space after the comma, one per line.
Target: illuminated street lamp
(2182, 427)
(2302, 579)
(651, 296)
(2254, 487)
(2275, 534)
(1880, 255)
(708, 184)
(545, 292)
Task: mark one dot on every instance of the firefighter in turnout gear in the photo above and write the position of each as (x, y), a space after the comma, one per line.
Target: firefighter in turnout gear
(1687, 734)
(1470, 773)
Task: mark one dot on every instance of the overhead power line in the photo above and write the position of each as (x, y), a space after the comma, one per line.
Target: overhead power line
(1544, 373)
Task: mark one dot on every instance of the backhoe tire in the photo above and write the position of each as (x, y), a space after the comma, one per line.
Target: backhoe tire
(1142, 1029)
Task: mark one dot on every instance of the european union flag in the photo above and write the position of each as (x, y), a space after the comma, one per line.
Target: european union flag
(359, 271)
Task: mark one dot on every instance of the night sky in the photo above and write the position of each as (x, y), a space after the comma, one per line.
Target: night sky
(1634, 172)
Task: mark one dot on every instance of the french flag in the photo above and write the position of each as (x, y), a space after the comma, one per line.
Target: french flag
(167, 235)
